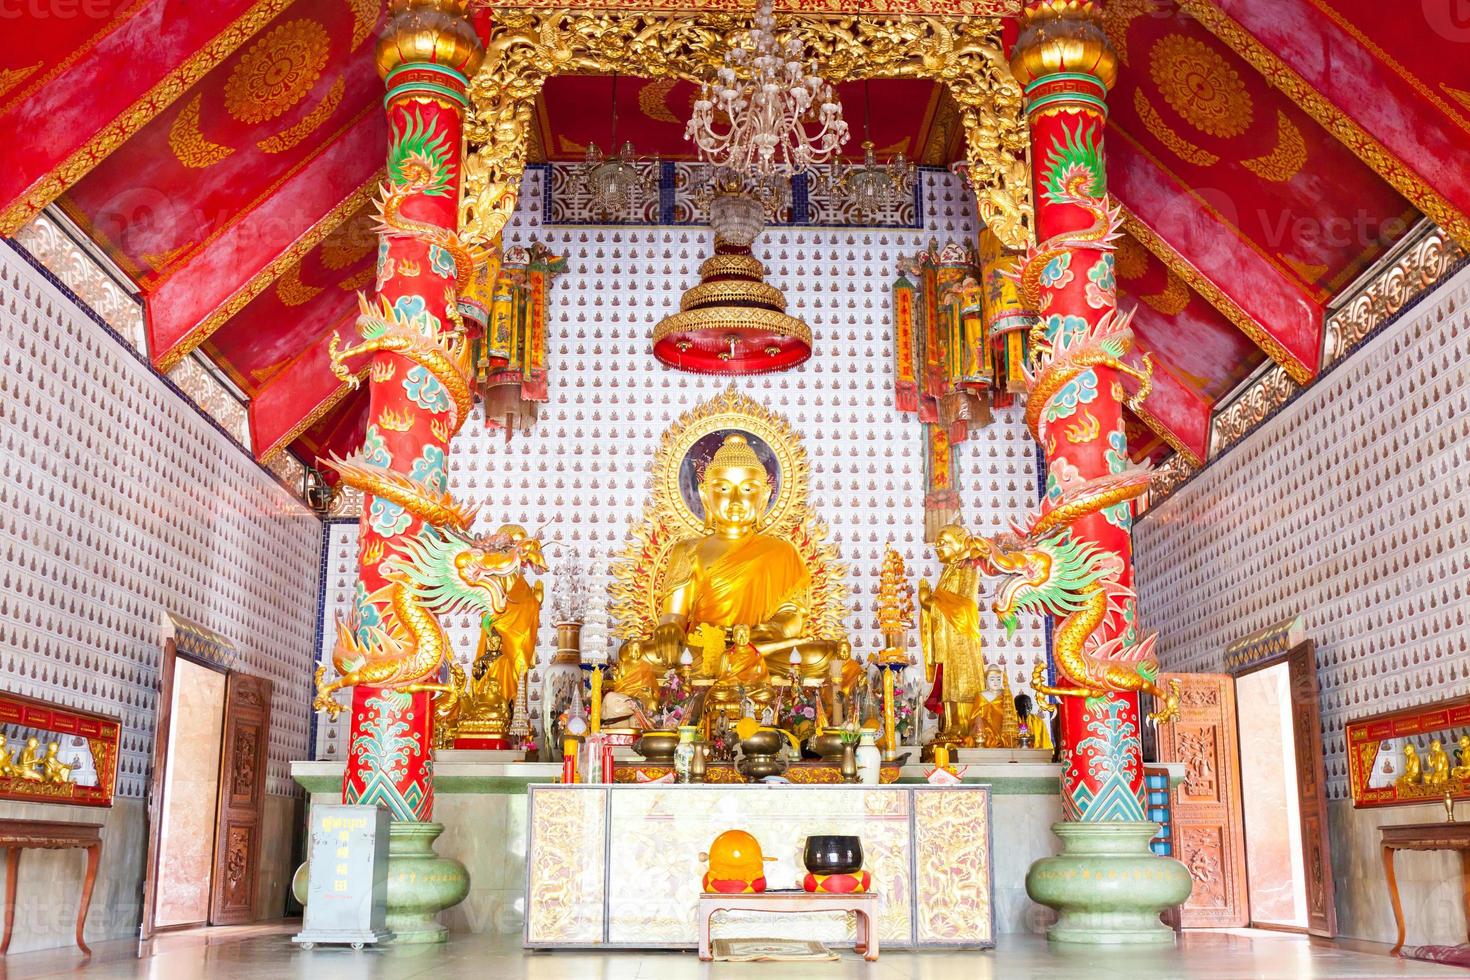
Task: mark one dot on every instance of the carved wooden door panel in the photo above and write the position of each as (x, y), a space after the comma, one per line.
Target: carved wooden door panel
(1311, 774)
(1209, 834)
(233, 899)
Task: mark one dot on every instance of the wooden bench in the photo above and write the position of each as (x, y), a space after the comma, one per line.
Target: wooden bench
(864, 906)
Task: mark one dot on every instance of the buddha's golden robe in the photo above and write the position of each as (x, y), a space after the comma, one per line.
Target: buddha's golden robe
(517, 628)
(955, 637)
(745, 586)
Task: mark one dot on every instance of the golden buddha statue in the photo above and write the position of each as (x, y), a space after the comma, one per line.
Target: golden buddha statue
(993, 720)
(1461, 769)
(1413, 768)
(743, 675)
(737, 576)
(28, 765)
(1438, 772)
(949, 631)
(6, 763)
(53, 770)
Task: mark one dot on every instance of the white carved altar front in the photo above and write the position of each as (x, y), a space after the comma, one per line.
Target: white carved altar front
(620, 865)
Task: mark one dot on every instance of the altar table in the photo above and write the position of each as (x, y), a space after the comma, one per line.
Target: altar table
(1424, 837)
(863, 907)
(17, 835)
(619, 865)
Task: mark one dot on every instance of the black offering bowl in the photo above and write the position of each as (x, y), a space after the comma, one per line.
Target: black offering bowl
(833, 855)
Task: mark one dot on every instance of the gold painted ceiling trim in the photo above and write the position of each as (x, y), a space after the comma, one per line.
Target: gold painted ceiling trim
(1215, 296)
(913, 8)
(1167, 434)
(1365, 147)
(311, 418)
(162, 95)
(263, 279)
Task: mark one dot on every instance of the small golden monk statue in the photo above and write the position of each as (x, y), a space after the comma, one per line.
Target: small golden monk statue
(737, 576)
(28, 765)
(994, 723)
(1462, 759)
(6, 763)
(1438, 761)
(744, 674)
(1413, 768)
(949, 631)
(53, 770)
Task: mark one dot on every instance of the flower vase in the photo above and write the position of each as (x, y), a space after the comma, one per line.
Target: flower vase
(849, 763)
(698, 765)
(684, 753)
(869, 760)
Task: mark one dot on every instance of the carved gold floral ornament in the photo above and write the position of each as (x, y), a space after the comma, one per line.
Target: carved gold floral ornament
(529, 45)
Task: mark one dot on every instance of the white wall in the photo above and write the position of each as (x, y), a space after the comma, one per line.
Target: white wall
(119, 499)
(1350, 509)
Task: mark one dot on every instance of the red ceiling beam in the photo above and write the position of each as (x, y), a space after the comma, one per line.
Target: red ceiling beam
(1173, 410)
(251, 255)
(301, 395)
(1194, 240)
(1361, 97)
(70, 124)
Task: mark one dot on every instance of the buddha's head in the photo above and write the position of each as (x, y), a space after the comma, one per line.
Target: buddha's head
(951, 544)
(735, 487)
(995, 679)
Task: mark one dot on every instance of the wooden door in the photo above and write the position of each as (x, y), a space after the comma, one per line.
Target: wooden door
(1209, 836)
(162, 722)
(233, 897)
(1311, 775)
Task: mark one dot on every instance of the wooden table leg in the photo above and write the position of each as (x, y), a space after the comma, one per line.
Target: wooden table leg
(12, 870)
(705, 914)
(94, 857)
(860, 931)
(1393, 894)
(871, 935)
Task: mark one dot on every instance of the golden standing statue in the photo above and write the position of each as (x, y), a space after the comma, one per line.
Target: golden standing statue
(949, 630)
(737, 576)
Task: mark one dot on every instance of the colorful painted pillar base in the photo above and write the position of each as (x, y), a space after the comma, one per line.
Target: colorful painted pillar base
(1107, 886)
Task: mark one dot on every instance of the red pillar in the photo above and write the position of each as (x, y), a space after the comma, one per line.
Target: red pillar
(427, 50)
(1066, 66)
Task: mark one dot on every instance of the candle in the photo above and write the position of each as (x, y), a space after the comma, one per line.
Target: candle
(569, 760)
(890, 735)
(596, 699)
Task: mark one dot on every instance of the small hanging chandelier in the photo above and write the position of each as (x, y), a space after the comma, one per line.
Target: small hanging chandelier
(872, 187)
(613, 183)
(753, 119)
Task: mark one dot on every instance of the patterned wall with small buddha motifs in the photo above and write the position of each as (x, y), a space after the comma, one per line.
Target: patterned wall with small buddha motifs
(1348, 508)
(120, 499)
(583, 470)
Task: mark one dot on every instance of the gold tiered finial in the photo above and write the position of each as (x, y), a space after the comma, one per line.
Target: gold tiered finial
(1062, 36)
(735, 451)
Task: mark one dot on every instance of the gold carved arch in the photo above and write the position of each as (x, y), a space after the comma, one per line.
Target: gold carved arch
(529, 45)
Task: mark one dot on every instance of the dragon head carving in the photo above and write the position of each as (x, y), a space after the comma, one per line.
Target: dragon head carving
(1049, 575)
(453, 572)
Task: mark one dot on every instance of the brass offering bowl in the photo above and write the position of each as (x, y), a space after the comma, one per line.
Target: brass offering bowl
(766, 741)
(828, 745)
(657, 746)
(833, 854)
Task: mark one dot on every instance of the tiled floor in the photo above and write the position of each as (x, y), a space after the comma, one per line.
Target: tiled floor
(266, 952)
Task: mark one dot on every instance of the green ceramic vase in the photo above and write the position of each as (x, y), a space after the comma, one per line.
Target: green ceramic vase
(1107, 886)
(420, 882)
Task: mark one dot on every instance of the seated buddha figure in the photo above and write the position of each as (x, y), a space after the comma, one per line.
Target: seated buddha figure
(743, 674)
(737, 576)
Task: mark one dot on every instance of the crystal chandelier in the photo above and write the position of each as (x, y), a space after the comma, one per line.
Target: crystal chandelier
(872, 187)
(613, 183)
(754, 118)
